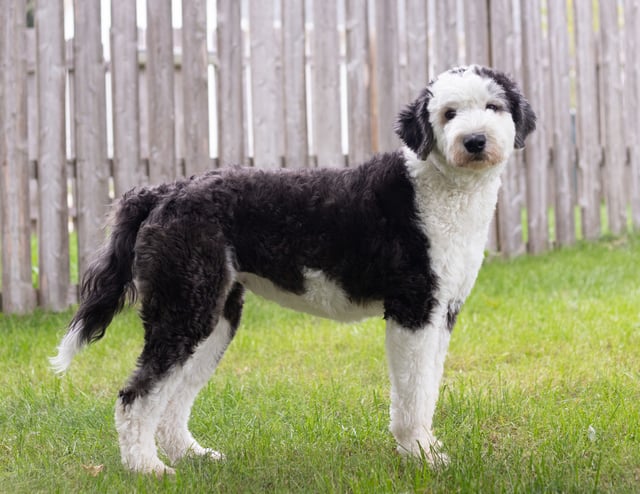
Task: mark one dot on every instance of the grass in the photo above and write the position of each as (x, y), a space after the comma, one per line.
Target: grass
(541, 394)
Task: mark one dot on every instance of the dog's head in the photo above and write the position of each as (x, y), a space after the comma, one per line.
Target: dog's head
(471, 116)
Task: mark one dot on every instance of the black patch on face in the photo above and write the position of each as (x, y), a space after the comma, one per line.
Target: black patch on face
(453, 309)
(522, 114)
(414, 128)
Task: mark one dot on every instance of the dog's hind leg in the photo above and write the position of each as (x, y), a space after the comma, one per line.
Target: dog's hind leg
(184, 275)
(173, 434)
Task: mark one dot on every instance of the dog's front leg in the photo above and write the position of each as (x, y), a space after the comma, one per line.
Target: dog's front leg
(416, 362)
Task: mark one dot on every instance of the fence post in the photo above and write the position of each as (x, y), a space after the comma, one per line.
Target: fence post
(326, 85)
(296, 148)
(53, 220)
(611, 92)
(386, 68)
(358, 81)
(476, 31)
(232, 135)
(561, 122)
(632, 101)
(536, 151)
(587, 129)
(478, 51)
(127, 170)
(417, 39)
(90, 118)
(18, 295)
(195, 66)
(266, 85)
(504, 56)
(160, 75)
(445, 39)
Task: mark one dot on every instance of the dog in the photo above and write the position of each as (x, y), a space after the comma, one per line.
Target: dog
(401, 236)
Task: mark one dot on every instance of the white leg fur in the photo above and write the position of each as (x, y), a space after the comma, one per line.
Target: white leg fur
(136, 424)
(416, 363)
(173, 433)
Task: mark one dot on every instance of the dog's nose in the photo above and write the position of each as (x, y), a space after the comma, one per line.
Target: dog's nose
(474, 143)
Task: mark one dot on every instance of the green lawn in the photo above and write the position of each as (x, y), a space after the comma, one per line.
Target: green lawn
(541, 394)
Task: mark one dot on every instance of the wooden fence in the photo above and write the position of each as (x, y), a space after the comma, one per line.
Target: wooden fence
(296, 83)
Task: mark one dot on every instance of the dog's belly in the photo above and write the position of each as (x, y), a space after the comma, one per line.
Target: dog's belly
(322, 297)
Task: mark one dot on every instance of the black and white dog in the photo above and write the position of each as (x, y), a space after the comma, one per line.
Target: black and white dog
(401, 237)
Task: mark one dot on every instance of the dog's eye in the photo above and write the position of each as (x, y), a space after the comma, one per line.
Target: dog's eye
(493, 107)
(450, 114)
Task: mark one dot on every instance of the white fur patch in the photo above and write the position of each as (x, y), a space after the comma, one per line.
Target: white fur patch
(70, 345)
(455, 206)
(173, 433)
(322, 297)
(416, 363)
(136, 425)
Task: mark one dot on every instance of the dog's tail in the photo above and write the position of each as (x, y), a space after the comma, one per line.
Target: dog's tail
(109, 278)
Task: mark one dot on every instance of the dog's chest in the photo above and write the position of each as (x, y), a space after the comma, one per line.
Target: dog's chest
(456, 222)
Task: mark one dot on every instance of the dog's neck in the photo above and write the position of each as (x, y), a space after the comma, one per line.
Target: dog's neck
(466, 180)
(449, 196)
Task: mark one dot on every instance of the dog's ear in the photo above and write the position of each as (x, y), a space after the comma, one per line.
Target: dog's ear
(524, 120)
(522, 114)
(414, 128)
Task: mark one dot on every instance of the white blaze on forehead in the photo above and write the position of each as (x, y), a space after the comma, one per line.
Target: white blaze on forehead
(456, 89)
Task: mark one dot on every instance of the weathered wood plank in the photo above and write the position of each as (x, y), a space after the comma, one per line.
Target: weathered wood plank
(266, 85)
(632, 102)
(387, 101)
(476, 32)
(232, 135)
(505, 40)
(478, 51)
(445, 39)
(561, 122)
(613, 136)
(53, 221)
(160, 92)
(589, 152)
(18, 295)
(195, 75)
(127, 169)
(91, 135)
(326, 85)
(358, 81)
(296, 149)
(417, 37)
(536, 150)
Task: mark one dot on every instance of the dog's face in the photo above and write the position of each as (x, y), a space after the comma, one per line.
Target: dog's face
(472, 117)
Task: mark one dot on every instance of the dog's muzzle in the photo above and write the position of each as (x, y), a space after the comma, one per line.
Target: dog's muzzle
(475, 143)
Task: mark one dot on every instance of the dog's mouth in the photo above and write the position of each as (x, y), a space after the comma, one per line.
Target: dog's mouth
(475, 161)
(478, 156)
(481, 160)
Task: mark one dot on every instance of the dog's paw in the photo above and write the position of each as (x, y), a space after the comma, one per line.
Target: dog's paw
(212, 454)
(429, 451)
(152, 467)
(163, 470)
(437, 458)
(197, 451)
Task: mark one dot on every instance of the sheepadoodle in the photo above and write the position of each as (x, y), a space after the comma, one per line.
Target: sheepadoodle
(400, 237)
